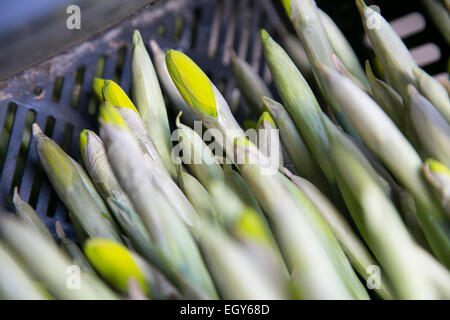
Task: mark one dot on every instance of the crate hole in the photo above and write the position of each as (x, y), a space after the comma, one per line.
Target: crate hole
(66, 217)
(57, 88)
(426, 54)
(215, 30)
(23, 152)
(222, 85)
(120, 61)
(6, 132)
(235, 99)
(99, 69)
(409, 24)
(179, 24)
(37, 90)
(67, 137)
(161, 29)
(39, 175)
(52, 202)
(195, 24)
(230, 32)
(244, 32)
(78, 86)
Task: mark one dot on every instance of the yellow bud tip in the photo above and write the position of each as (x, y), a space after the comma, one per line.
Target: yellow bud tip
(97, 87)
(108, 114)
(178, 120)
(287, 7)
(250, 225)
(265, 117)
(264, 35)
(83, 141)
(137, 39)
(192, 83)
(361, 5)
(114, 262)
(115, 96)
(36, 130)
(437, 167)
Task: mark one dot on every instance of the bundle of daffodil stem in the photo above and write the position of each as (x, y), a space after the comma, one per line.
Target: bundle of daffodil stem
(210, 211)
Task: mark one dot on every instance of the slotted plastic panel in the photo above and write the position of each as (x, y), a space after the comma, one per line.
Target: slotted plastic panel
(57, 93)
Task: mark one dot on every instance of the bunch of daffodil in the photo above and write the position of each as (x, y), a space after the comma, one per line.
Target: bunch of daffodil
(345, 190)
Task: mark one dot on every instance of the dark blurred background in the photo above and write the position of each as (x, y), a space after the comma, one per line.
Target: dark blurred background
(31, 31)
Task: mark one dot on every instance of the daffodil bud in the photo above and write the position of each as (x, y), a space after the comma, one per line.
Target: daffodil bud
(149, 101)
(299, 101)
(117, 264)
(397, 62)
(438, 177)
(79, 196)
(434, 91)
(27, 213)
(252, 87)
(97, 88)
(115, 96)
(192, 83)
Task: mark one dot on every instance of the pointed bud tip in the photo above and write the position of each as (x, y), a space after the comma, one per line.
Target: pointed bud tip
(16, 196)
(178, 119)
(36, 129)
(265, 118)
(137, 39)
(83, 141)
(272, 106)
(369, 71)
(233, 54)
(156, 49)
(192, 83)
(361, 5)
(264, 35)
